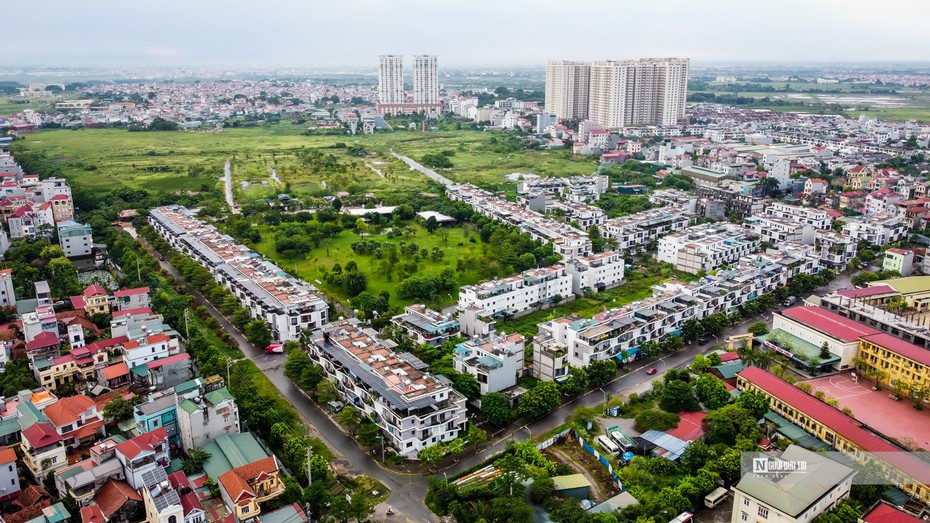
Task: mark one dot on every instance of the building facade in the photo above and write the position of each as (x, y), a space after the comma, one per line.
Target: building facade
(425, 79)
(391, 79)
(629, 93)
(567, 85)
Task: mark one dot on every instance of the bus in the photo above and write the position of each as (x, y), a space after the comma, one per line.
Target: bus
(715, 498)
(608, 446)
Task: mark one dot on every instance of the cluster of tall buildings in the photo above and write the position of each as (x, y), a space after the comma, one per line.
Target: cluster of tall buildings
(618, 93)
(392, 97)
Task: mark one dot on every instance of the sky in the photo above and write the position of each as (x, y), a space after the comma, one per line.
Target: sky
(352, 33)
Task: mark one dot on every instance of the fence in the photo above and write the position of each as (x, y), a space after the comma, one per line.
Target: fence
(588, 448)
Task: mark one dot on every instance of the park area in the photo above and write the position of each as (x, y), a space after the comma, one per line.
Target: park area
(897, 419)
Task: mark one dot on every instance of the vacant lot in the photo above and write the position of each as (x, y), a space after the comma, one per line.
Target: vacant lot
(172, 161)
(456, 246)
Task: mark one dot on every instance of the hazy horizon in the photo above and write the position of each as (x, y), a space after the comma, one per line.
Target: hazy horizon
(288, 34)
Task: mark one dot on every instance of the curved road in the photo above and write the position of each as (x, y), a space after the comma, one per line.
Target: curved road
(425, 170)
(407, 492)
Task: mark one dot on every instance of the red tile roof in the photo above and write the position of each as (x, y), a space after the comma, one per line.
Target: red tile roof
(130, 292)
(189, 500)
(113, 495)
(867, 291)
(899, 346)
(92, 514)
(729, 356)
(143, 442)
(77, 302)
(40, 435)
(236, 481)
(846, 426)
(829, 323)
(114, 371)
(690, 426)
(43, 340)
(32, 495)
(170, 359)
(68, 410)
(885, 513)
(94, 290)
(7, 455)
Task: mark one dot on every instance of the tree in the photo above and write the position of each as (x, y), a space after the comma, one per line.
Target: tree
(361, 227)
(677, 397)
(691, 330)
(539, 401)
(326, 391)
(118, 409)
(600, 372)
(496, 408)
(576, 383)
(768, 185)
(355, 282)
(650, 349)
(729, 422)
(542, 490)
(712, 392)
(653, 419)
(368, 434)
(825, 350)
(258, 333)
(431, 224)
(476, 435)
(62, 277)
(349, 417)
(700, 364)
(671, 343)
(758, 328)
(755, 403)
(468, 385)
(432, 454)
(196, 457)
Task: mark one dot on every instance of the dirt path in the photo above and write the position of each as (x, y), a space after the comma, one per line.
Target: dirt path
(597, 494)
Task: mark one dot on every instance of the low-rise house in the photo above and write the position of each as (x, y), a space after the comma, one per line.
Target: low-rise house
(520, 293)
(243, 488)
(76, 240)
(596, 273)
(424, 325)
(876, 229)
(142, 454)
(899, 260)
(9, 474)
(93, 300)
(76, 420)
(205, 409)
(163, 374)
(83, 479)
(131, 299)
(162, 501)
(496, 361)
(160, 411)
(119, 502)
(43, 449)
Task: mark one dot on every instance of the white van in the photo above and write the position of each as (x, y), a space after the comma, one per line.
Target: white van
(608, 446)
(715, 498)
(684, 517)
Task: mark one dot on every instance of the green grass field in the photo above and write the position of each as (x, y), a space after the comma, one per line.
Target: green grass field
(178, 161)
(13, 105)
(311, 267)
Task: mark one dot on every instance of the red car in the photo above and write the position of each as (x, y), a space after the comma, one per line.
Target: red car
(274, 348)
(651, 370)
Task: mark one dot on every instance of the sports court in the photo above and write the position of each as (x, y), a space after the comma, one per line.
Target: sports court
(875, 408)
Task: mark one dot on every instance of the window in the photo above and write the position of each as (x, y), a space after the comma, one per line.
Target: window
(746, 501)
(764, 512)
(172, 519)
(744, 516)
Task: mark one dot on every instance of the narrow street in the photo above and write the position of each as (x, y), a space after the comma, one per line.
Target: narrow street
(425, 170)
(228, 189)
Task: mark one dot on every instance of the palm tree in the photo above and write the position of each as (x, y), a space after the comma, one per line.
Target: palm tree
(304, 338)
(768, 185)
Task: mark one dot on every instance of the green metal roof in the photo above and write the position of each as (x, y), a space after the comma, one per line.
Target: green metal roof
(219, 395)
(909, 285)
(229, 451)
(793, 493)
(801, 349)
(188, 406)
(795, 433)
(729, 369)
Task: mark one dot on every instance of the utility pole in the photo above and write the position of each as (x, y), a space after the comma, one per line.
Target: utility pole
(138, 272)
(187, 326)
(229, 363)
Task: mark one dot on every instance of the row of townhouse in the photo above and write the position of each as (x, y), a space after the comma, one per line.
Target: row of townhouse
(618, 333)
(288, 304)
(566, 240)
(575, 188)
(496, 361)
(537, 288)
(707, 247)
(876, 229)
(413, 408)
(639, 232)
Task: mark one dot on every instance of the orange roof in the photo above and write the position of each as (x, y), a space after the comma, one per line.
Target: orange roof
(115, 371)
(7, 455)
(236, 481)
(113, 495)
(157, 338)
(92, 514)
(68, 410)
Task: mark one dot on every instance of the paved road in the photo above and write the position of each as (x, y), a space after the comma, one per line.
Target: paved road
(425, 170)
(407, 492)
(227, 182)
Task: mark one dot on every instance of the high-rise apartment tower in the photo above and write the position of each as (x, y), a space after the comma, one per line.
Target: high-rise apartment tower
(425, 79)
(391, 79)
(567, 89)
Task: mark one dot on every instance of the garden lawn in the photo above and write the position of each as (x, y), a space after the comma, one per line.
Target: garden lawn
(312, 266)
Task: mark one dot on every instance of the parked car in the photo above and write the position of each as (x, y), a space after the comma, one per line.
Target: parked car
(274, 348)
(789, 301)
(651, 370)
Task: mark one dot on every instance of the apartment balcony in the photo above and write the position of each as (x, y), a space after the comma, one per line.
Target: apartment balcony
(264, 494)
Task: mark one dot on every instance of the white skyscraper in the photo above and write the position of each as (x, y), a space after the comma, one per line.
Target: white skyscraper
(650, 91)
(391, 79)
(567, 89)
(425, 79)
